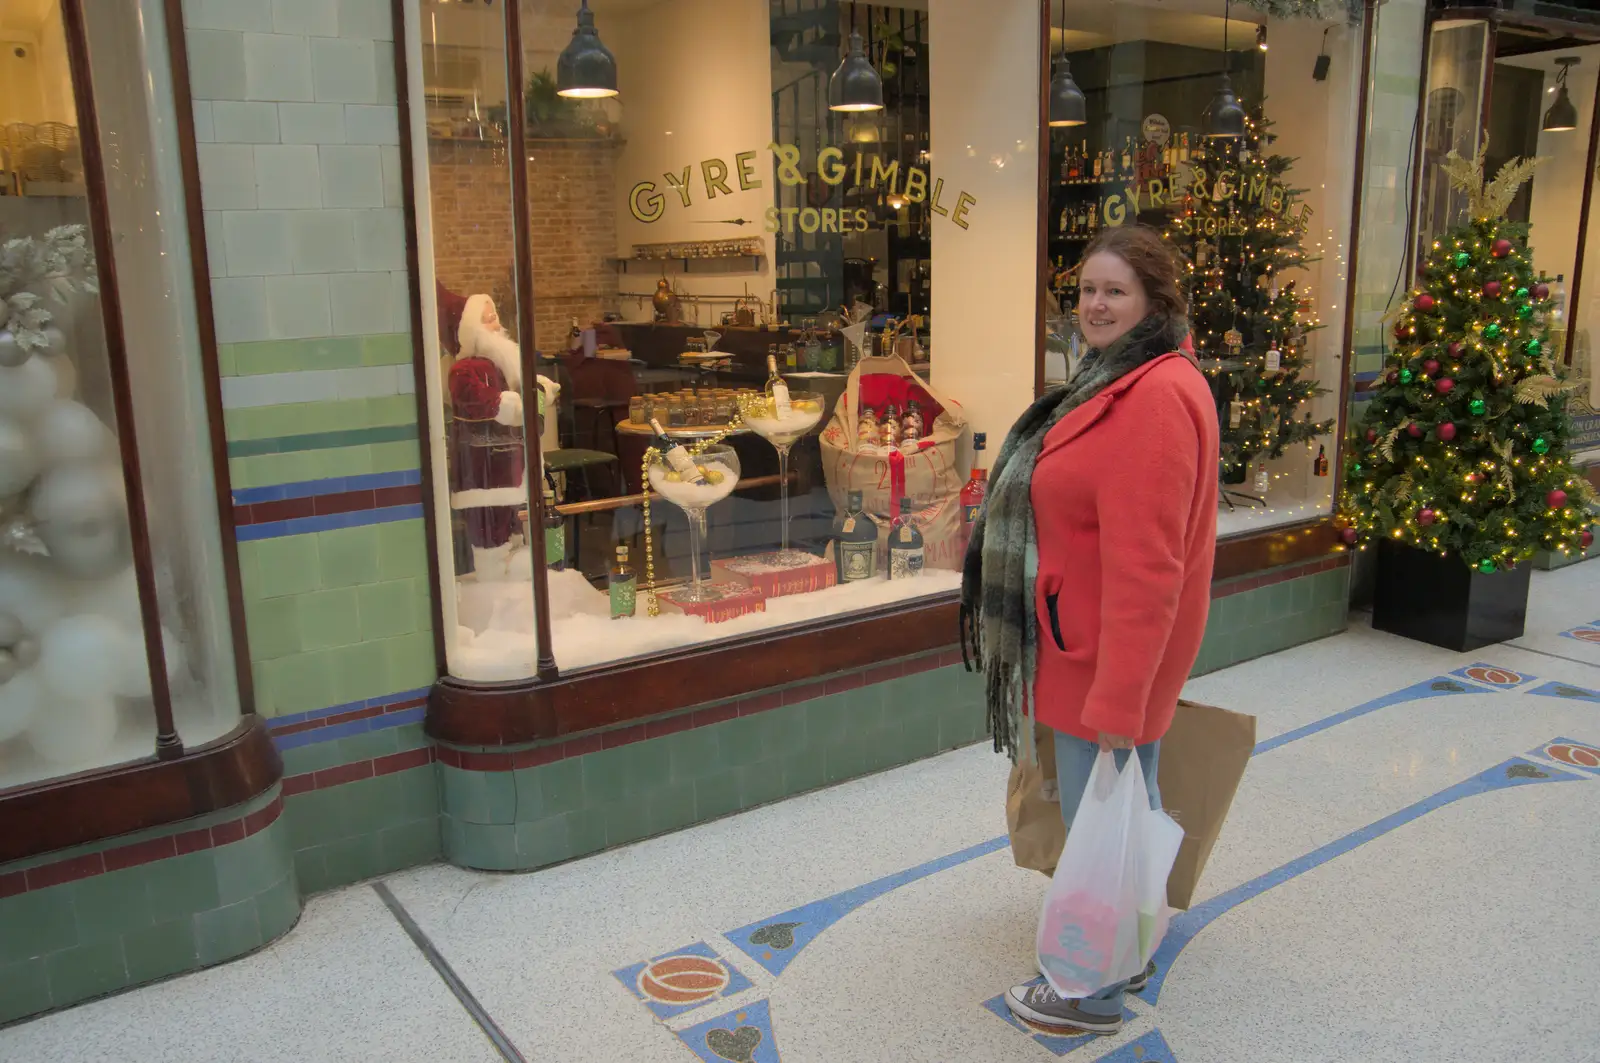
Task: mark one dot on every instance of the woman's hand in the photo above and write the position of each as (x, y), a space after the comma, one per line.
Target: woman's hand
(1110, 742)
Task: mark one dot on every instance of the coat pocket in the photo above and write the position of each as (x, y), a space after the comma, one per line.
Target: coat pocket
(1052, 610)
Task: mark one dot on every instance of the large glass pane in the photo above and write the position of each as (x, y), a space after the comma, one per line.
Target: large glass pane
(713, 214)
(1261, 217)
(1458, 55)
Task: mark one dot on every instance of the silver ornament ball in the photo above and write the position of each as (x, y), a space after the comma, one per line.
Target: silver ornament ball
(11, 352)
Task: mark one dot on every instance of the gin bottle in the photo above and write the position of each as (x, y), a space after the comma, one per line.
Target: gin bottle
(855, 543)
(905, 545)
(623, 586)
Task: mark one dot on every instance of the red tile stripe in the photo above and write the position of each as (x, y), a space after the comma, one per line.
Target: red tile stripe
(326, 505)
(1250, 583)
(76, 868)
(358, 770)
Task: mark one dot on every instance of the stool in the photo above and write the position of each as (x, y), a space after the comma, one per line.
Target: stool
(568, 460)
(601, 411)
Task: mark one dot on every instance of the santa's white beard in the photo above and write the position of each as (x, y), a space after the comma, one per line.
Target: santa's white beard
(505, 353)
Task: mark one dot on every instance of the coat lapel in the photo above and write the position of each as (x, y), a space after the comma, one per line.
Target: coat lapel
(1084, 417)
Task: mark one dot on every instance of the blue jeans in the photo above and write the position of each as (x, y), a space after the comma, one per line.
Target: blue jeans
(1074, 760)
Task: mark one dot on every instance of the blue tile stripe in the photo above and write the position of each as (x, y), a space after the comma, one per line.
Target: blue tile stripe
(337, 485)
(381, 722)
(383, 701)
(276, 529)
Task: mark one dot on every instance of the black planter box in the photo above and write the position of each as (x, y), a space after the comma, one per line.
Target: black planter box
(1440, 601)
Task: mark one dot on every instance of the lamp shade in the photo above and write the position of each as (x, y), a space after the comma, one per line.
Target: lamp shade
(586, 69)
(1562, 115)
(1067, 104)
(1227, 117)
(855, 86)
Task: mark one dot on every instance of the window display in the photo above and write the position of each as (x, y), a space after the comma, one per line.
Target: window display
(1240, 155)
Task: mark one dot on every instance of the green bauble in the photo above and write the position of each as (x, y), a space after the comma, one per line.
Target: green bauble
(1356, 469)
(1491, 332)
(1522, 295)
(1478, 407)
(1541, 445)
(1406, 376)
(1486, 566)
(1533, 347)
(1525, 311)
(1462, 260)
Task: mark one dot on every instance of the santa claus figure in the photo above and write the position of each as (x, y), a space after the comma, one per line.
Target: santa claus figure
(488, 480)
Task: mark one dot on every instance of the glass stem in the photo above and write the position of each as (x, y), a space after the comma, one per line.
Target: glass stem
(783, 493)
(695, 519)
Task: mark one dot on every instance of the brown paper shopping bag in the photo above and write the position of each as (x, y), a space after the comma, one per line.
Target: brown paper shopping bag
(1203, 757)
(1033, 808)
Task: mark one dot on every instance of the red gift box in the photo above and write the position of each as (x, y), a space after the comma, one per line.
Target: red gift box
(777, 573)
(719, 601)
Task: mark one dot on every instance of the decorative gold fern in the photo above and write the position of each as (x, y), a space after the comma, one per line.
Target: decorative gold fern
(1488, 201)
(1386, 448)
(1507, 474)
(1401, 488)
(1539, 390)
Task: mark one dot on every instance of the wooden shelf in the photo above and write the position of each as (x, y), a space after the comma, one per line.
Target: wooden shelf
(710, 264)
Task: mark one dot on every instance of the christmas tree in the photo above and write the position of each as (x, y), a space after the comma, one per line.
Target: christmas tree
(1463, 447)
(1241, 228)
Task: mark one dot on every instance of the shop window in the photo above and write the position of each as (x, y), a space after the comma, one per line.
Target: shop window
(1253, 192)
(115, 638)
(740, 243)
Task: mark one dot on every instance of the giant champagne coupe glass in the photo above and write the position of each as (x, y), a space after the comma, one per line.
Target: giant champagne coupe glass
(805, 412)
(719, 465)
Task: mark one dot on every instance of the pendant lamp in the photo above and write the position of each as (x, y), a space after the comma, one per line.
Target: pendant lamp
(1067, 104)
(855, 86)
(1562, 116)
(586, 69)
(1227, 117)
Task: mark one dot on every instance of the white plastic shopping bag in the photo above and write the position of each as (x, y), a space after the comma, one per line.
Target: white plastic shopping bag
(1106, 910)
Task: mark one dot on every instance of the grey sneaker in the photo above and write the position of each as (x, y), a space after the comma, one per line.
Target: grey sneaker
(1135, 984)
(1038, 1005)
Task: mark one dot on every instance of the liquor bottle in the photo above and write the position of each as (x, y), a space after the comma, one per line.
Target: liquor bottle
(1099, 164)
(555, 534)
(623, 586)
(1127, 157)
(1263, 482)
(1065, 220)
(889, 427)
(1320, 465)
(1183, 148)
(912, 425)
(905, 545)
(855, 542)
(977, 485)
(777, 390)
(676, 457)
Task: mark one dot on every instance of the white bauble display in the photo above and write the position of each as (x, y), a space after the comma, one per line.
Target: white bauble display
(87, 656)
(30, 591)
(20, 460)
(55, 341)
(11, 352)
(72, 733)
(19, 700)
(81, 515)
(26, 389)
(70, 431)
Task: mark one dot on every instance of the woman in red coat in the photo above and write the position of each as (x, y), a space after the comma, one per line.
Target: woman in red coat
(1088, 577)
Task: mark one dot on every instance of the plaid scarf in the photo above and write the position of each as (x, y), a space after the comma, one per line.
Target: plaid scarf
(999, 627)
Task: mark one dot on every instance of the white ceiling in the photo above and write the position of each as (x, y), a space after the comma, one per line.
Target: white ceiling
(22, 18)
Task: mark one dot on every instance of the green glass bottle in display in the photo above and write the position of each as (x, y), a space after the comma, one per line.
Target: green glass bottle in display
(624, 586)
(905, 545)
(855, 542)
(555, 534)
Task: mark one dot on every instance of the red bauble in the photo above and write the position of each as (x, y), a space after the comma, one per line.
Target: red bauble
(1471, 477)
(1349, 536)
(1426, 517)
(1586, 540)
(1444, 386)
(1491, 290)
(1541, 291)
(1393, 377)
(1423, 302)
(1431, 366)
(1414, 430)
(1455, 350)
(1446, 431)
(1556, 499)
(1500, 248)
(1372, 435)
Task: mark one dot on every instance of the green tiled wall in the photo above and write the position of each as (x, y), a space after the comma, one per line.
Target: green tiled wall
(324, 352)
(539, 816)
(83, 939)
(337, 616)
(1265, 620)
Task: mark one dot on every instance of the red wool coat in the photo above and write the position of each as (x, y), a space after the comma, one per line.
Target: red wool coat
(1125, 503)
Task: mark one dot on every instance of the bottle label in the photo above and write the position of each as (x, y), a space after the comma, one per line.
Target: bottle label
(856, 560)
(780, 397)
(849, 525)
(679, 459)
(555, 548)
(1274, 360)
(905, 533)
(903, 564)
(969, 514)
(624, 597)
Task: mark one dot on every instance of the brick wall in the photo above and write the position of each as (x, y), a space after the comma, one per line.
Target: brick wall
(571, 191)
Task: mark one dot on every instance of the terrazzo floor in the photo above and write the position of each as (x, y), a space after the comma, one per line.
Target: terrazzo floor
(1409, 873)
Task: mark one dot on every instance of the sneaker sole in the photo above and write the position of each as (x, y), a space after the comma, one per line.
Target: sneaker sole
(1051, 1025)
